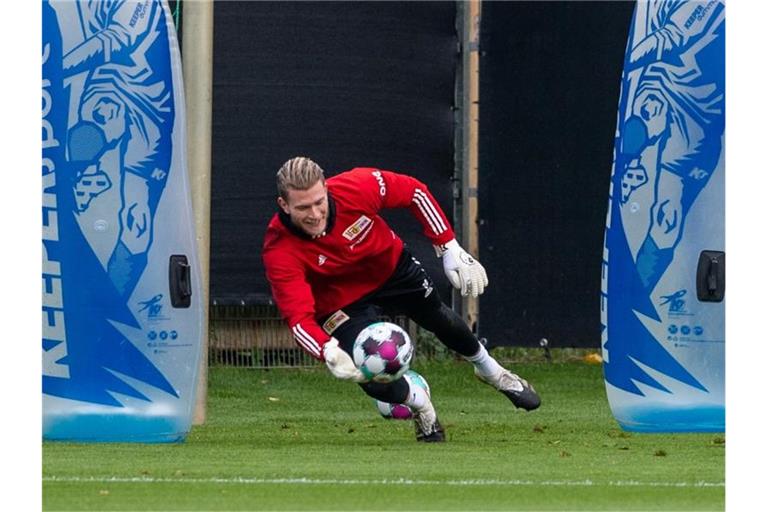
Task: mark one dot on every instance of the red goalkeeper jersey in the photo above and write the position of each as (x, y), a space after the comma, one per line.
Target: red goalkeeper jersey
(311, 278)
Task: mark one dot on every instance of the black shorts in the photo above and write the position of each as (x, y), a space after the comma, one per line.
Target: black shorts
(410, 291)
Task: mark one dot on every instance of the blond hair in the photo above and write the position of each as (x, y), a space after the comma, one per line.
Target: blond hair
(298, 173)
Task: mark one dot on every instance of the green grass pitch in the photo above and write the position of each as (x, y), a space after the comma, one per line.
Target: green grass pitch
(300, 440)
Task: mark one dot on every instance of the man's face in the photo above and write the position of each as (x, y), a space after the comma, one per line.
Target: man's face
(308, 209)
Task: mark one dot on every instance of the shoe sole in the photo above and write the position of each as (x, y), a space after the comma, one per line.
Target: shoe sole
(432, 438)
(527, 399)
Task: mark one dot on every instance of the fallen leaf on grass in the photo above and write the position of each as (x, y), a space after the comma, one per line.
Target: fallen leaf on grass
(593, 358)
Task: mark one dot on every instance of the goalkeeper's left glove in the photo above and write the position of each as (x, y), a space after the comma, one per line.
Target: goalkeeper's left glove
(463, 271)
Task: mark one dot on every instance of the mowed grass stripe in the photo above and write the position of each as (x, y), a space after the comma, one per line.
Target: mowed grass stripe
(395, 481)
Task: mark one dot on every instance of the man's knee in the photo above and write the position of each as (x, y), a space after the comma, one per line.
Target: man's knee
(392, 392)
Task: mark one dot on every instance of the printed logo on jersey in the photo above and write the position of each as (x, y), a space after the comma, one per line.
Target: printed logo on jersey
(354, 230)
(321, 259)
(334, 321)
(427, 287)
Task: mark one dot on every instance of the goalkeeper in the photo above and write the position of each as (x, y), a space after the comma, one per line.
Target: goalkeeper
(335, 266)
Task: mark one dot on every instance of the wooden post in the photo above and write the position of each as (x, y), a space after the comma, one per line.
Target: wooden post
(197, 66)
(470, 128)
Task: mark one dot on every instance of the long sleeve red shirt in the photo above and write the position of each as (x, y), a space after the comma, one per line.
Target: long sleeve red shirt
(311, 278)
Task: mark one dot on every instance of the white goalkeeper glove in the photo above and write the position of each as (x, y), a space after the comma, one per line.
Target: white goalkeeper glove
(339, 362)
(464, 272)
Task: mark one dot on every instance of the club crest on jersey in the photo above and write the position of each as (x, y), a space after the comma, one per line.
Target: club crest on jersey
(356, 228)
(334, 321)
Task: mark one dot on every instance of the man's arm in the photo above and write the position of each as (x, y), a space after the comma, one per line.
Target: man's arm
(387, 189)
(392, 190)
(294, 299)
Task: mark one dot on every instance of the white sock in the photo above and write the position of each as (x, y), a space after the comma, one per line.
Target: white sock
(417, 397)
(486, 365)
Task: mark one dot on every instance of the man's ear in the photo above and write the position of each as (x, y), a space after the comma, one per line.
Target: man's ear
(283, 205)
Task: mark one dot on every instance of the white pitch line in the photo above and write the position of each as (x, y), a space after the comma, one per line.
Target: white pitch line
(397, 481)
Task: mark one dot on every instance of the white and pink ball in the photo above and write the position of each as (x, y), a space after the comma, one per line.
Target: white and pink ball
(402, 411)
(383, 352)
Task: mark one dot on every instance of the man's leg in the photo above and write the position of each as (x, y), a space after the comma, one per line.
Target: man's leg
(454, 333)
(420, 300)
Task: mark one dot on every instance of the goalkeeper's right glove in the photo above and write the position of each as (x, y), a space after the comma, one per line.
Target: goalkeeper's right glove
(339, 362)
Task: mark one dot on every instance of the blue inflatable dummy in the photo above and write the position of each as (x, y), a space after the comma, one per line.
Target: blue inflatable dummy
(122, 316)
(663, 280)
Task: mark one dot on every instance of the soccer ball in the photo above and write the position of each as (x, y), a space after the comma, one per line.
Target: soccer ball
(402, 411)
(383, 352)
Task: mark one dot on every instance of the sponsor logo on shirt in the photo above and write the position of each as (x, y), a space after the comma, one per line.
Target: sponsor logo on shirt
(354, 230)
(380, 181)
(321, 259)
